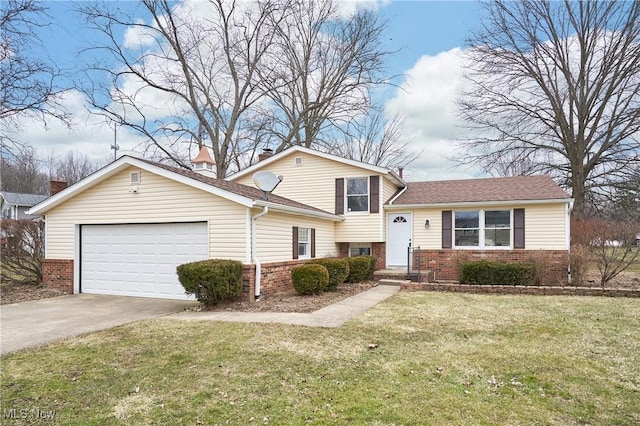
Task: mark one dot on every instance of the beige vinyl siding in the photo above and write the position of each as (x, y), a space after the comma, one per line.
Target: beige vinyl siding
(389, 189)
(275, 236)
(313, 183)
(427, 238)
(360, 228)
(545, 226)
(159, 200)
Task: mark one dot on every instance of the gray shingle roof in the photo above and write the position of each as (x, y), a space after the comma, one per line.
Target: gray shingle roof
(28, 200)
(518, 188)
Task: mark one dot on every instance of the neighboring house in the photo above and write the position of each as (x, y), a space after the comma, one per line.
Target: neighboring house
(15, 205)
(124, 229)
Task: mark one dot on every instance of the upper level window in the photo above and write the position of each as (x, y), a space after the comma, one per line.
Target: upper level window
(358, 194)
(482, 228)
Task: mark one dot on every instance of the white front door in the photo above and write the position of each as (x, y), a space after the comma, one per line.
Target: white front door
(398, 239)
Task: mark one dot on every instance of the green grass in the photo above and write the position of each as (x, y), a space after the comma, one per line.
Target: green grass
(440, 359)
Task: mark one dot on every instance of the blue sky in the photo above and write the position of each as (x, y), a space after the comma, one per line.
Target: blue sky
(427, 35)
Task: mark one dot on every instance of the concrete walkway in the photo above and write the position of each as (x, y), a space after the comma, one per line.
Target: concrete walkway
(331, 316)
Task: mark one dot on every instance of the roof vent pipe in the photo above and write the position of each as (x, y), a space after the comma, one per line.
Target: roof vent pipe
(400, 170)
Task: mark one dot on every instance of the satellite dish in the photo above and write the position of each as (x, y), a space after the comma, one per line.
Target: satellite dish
(266, 181)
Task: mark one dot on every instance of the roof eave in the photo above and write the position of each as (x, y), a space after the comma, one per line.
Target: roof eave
(478, 203)
(298, 211)
(120, 164)
(289, 151)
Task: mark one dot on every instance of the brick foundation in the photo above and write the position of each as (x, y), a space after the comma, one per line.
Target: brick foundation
(553, 264)
(58, 274)
(275, 277)
(379, 250)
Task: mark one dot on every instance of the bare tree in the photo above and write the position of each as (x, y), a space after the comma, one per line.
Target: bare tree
(557, 86)
(236, 76)
(28, 84)
(22, 173)
(322, 69)
(611, 245)
(204, 62)
(22, 251)
(72, 167)
(376, 141)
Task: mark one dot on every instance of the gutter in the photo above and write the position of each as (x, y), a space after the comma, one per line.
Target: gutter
(476, 203)
(298, 210)
(254, 251)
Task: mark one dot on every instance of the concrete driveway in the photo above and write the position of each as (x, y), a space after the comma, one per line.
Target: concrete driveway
(35, 323)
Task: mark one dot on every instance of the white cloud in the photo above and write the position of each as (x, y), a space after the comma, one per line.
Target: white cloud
(88, 134)
(427, 99)
(138, 37)
(349, 7)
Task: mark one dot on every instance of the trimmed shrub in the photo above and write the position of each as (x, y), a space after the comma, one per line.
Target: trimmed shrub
(487, 272)
(359, 268)
(338, 269)
(310, 278)
(372, 266)
(211, 281)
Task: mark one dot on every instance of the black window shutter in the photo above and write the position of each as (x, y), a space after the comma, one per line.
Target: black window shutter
(295, 242)
(518, 228)
(374, 194)
(340, 196)
(313, 242)
(446, 229)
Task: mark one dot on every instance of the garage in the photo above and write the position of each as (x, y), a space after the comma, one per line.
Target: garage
(139, 259)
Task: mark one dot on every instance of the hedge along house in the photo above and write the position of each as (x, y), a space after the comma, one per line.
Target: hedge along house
(124, 229)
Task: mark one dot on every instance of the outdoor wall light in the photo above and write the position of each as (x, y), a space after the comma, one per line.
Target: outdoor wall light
(426, 224)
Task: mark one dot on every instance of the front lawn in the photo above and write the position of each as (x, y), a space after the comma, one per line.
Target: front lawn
(419, 358)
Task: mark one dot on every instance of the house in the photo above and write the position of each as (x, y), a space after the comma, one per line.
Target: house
(15, 205)
(125, 228)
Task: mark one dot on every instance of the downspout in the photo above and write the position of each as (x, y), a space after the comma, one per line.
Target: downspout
(254, 250)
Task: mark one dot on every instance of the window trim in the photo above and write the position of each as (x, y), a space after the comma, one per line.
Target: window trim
(346, 196)
(481, 230)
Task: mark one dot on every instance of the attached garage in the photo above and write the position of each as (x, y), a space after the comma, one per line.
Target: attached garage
(139, 259)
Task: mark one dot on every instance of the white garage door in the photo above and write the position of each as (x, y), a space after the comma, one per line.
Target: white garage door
(139, 259)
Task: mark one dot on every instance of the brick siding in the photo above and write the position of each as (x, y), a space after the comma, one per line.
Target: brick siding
(58, 274)
(443, 263)
(379, 250)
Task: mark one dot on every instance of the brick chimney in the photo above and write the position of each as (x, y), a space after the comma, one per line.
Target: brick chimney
(268, 152)
(56, 185)
(400, 170)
